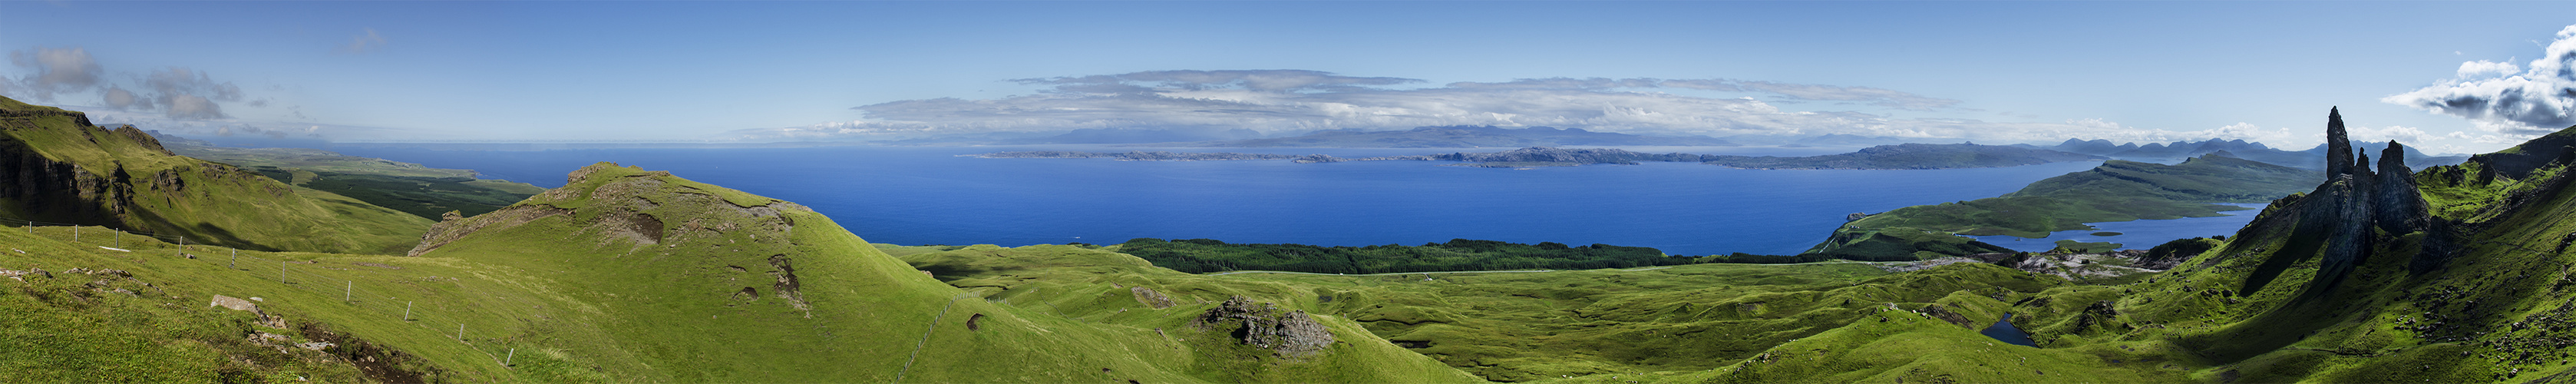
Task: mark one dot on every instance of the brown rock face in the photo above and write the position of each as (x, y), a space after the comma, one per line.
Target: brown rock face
(2338, 145)
(1290, 333)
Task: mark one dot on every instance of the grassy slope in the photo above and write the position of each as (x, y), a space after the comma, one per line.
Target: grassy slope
(411, 188)
(208, 202)
(667, 311)
(1510, 326)
(74, 327)
(2499, 311)
(567, 301)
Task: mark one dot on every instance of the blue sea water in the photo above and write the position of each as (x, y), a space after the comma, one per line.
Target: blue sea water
(932, 195)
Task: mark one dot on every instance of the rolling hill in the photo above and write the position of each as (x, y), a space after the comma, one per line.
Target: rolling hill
(63, 169)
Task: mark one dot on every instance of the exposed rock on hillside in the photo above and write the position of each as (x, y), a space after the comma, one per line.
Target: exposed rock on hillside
(1290, 333)
(60, 168)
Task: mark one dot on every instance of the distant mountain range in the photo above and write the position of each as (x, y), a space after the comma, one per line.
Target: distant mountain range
(1460, 137)
(2313, 158)
(1901, 156)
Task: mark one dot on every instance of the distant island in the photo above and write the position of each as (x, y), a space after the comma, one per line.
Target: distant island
(1140, 155)
(1465, 136)
(1900, 156)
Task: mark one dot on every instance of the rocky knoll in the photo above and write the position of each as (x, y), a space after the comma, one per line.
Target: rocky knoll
(1289, 333)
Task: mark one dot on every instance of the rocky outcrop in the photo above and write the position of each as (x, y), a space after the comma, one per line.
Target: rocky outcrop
(1291, 334)
(2338, 145)
(2343, 221)
(1151, 298)
(1938, 312)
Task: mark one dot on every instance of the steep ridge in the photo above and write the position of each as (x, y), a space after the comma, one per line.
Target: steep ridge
(60, 168)
(2115, 191)
(673, 280)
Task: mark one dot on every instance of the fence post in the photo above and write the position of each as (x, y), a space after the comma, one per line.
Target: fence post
(75, 233)
(119, 240)
(347, 287)
(236, 263)
(460, 333)
(281, 272)
(514, 354)
(406, 311)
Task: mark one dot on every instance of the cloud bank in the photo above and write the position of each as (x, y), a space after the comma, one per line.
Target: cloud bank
(1288, 101)
(2506, 99)
(174, 92)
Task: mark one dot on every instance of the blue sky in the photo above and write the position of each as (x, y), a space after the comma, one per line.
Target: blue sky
(1987, 71)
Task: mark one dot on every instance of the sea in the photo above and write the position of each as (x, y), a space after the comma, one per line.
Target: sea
(946, 196)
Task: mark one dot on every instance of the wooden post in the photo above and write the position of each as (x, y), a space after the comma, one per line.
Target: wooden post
(347, 287)
(406, 311)
(460, 333)
(281, 272)
(236, 263)
(119, 240)
(514, 354)
(75, 233)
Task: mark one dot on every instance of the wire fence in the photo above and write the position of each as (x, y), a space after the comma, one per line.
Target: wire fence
(297, 274)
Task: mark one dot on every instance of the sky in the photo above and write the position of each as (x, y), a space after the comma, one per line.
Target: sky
(2450, 77)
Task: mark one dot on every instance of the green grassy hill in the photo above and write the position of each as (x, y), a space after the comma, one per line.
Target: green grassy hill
(411, 188)
(63, 169)
(2116, 191)
(2335, 285)
(626, 275)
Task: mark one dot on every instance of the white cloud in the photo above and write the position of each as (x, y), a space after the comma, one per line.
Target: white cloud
(175, 92)
(1275, 101)
(2402, 134)
(2537, 101)
(363, 43)
(2487, 68)
(55, 71)
(121, 99)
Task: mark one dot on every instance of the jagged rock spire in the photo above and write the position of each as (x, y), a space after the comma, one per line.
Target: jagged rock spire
(2393, 159)
(2338, 146)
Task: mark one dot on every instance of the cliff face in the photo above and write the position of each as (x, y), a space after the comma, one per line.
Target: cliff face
(58, 167)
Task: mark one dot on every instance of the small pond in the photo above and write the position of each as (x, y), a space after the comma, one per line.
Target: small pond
(2004, 331)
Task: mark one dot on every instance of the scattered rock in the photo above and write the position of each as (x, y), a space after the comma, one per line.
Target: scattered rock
(1151, 298)
(236, 304)
(1938, 312)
